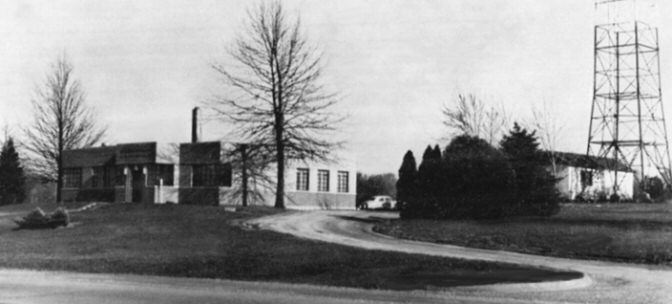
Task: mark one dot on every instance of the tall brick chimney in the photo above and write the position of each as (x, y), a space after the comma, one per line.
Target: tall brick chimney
(194, 125)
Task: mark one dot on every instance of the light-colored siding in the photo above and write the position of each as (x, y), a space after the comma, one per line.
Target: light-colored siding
(569, 183)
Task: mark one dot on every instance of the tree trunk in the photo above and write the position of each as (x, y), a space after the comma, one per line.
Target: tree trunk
(243, 150)
(280, 154)
(59, 164)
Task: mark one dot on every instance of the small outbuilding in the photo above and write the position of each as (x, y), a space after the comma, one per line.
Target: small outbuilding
(590, 177)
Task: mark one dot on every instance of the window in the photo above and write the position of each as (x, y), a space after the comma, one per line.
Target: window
(302, 181)
(72, 177)
(159, 172)
(323, 180)
(586, 178)
(343, 182)
(213, 175)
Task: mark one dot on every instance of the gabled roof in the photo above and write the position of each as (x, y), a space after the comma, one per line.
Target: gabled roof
(583, 161)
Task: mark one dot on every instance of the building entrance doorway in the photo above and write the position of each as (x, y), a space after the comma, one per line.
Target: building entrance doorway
(137, 184)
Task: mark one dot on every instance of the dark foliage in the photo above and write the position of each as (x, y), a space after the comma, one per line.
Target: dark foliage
(37, 219)
(654, 186)
(376, 184)
(537, 194)
(471, 180)
(474, 180)
(479, 182)
(406, 185)
(429, 182)
(12, 177)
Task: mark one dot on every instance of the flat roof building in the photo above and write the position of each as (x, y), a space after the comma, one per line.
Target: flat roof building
(198, 173)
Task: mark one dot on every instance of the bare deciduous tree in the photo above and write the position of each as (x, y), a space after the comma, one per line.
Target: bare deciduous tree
(275, 97)
(62, 121)
(549, 129)
(472, 117)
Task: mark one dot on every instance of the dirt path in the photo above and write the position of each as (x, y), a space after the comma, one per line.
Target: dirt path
(605, 282)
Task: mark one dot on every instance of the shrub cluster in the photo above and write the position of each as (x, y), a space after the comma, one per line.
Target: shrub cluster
(472, 179)
(37, 219)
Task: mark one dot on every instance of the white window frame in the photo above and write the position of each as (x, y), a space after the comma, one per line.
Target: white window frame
(323, 180)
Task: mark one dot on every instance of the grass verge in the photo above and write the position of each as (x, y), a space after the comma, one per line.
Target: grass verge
(200, 241)
(635, 233)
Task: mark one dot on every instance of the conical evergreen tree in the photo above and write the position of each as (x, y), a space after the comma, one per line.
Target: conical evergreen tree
(521, 144)
(436, 153)
(12, 178)
(536, 186)
(428, 182)
(407, 183)
(427, 155)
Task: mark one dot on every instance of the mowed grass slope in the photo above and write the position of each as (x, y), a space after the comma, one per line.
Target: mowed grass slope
(637, 233)
(200, 241)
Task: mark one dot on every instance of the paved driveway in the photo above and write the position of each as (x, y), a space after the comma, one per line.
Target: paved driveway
(605, 282)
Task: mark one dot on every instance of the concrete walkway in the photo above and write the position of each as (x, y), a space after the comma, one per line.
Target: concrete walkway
(605, 282)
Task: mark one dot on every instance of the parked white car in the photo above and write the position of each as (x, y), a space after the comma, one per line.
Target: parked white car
(379, 202)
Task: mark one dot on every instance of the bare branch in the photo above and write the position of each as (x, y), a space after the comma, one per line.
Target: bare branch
(549, 130)
(61, 121)
(471, 116)
(274, 95)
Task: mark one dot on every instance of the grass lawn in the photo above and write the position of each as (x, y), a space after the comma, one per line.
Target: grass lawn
(638, 233)
(202, 241)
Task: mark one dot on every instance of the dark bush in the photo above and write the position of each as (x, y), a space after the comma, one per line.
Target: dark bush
(37, 219)
(478, 181)
(406, 184)
(471, 180)
(654, 186)
(537, 194)
(61, 216)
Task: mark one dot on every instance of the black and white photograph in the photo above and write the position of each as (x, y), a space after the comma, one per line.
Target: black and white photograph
(335, 151)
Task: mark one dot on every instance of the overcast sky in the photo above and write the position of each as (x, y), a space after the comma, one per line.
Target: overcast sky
(145, 64)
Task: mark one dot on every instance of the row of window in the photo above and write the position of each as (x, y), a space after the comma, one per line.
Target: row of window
(110, 176)
(202, 176)
(303, 180)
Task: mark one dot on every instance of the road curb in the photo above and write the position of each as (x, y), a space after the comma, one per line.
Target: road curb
(579, 283)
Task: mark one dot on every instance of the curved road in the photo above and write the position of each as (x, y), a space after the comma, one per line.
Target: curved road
(605, 282)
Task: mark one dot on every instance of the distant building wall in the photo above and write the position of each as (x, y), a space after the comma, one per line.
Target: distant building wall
(571, 183)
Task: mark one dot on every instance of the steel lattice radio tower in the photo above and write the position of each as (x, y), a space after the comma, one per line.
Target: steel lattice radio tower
(627, 123)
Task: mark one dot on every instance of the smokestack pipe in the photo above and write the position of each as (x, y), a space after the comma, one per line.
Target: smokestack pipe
(194, 125)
